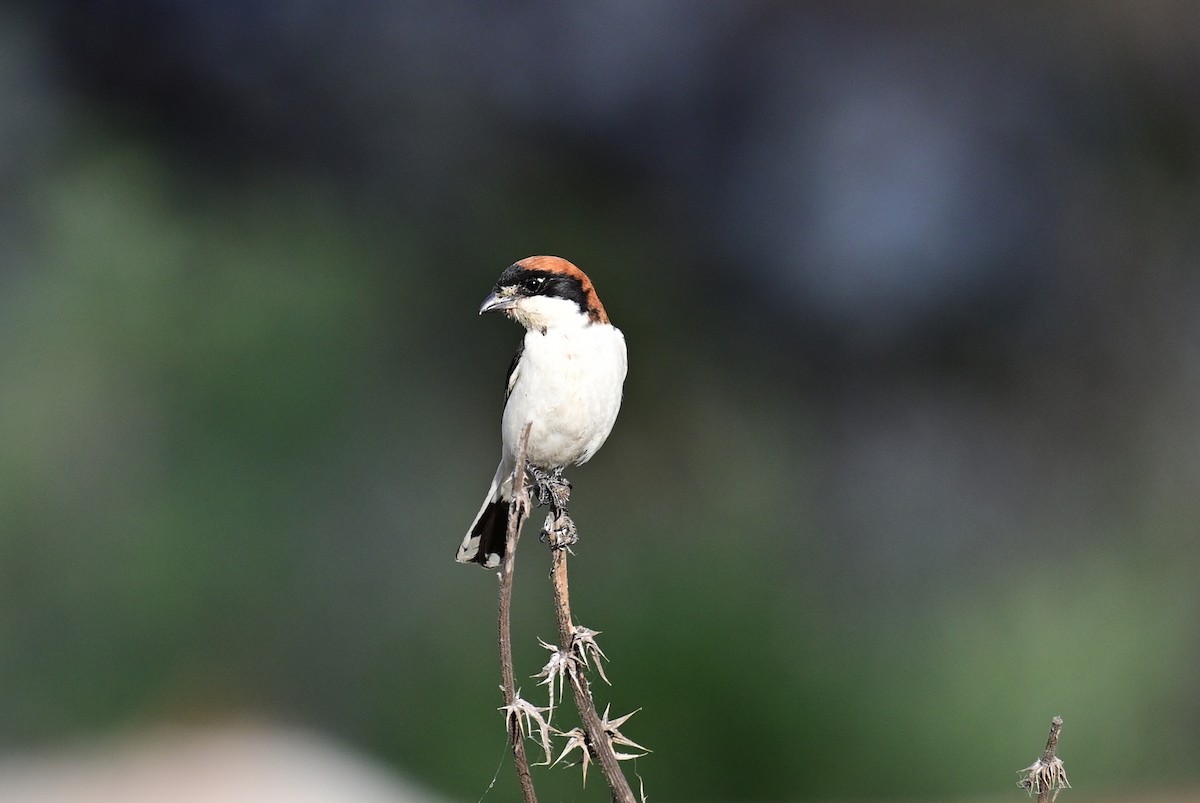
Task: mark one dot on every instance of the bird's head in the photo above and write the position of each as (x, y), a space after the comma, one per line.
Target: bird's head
(545, 292)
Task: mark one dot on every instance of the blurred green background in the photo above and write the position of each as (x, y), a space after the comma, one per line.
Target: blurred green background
(909, 460)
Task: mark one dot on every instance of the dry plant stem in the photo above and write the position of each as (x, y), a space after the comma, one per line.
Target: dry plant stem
(601, 746)
(1047, 776)
(1051, 751)
(1050, 754)
(516, 517)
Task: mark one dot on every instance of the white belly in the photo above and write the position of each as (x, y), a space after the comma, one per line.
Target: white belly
(569, 384)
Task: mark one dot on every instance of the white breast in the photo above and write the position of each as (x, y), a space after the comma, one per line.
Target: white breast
(568, 383)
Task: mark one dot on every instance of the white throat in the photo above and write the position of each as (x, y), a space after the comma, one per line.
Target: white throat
(544, 313)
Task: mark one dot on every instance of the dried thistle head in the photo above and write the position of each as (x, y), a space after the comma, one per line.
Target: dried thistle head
(562, 664)
(522, 718)
(576, 739)
(612, 731)
(1044, 776)
(583, 644)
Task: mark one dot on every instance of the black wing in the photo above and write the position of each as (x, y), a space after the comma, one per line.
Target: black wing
(511, 379)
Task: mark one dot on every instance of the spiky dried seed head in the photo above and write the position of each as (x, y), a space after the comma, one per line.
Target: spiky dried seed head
(522, 718)
(1041, 775)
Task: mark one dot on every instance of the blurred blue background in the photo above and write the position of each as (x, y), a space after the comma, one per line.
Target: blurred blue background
(909, 460)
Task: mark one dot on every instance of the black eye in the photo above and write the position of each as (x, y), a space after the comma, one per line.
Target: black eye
(534, 284)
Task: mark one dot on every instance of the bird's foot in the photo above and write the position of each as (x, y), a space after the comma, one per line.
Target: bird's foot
(550, 487)
(559, 530)
(521, 505)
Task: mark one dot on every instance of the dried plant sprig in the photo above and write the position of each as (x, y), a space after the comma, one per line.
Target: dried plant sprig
(576, 739)
(560, 666)
(613, 732)
(1046, 777)
(563, 664)
(593, 741)
(517, 512)
(583, 644)
(524, 719)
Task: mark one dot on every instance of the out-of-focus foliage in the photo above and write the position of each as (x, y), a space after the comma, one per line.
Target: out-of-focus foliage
(910, 454)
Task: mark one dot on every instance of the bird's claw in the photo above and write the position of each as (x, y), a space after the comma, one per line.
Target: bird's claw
(521, 505)
(559, 530)
(550, 487)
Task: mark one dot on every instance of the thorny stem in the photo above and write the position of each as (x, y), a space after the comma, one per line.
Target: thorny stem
(598, 740)
(1046, 776)
(1052, 740)
(517, 511)
(1049, 755)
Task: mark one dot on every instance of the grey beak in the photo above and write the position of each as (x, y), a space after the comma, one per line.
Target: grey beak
(497, 303)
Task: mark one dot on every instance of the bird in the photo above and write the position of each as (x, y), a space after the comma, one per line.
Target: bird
(565, 382)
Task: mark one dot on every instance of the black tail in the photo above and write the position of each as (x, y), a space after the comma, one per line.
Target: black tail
(488, 538)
